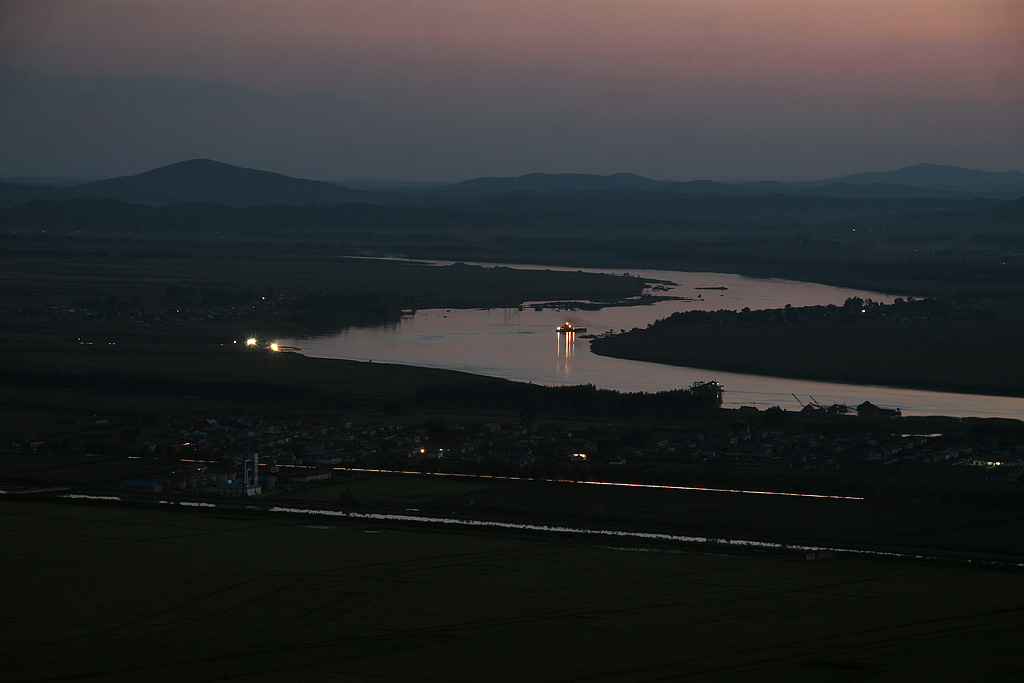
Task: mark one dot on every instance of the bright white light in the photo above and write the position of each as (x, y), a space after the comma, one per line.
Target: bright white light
(251, 341)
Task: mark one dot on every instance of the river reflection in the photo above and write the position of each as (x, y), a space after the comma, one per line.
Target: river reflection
(566, 345)
(523, 344)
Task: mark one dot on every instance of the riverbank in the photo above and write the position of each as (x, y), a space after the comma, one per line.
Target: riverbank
(976, 354)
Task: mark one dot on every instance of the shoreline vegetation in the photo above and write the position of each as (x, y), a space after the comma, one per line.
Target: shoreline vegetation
(938, 345)
(79, 294)
(194, 288)
(212, 296)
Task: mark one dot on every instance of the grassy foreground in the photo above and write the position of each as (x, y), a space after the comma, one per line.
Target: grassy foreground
(114, 594)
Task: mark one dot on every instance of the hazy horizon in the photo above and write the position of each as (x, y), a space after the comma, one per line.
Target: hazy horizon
(398, 181)
(446, 90)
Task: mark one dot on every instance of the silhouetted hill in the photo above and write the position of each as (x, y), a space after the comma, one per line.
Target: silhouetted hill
(704, 187)
(203, 181)
(13, 194)
(768, 187)
(46, 181)
(889, 191)
(1009, 212)
(385, 185)
(937, 177)
(574, 182)
(876, 191)
(553, 182)
(214, 182)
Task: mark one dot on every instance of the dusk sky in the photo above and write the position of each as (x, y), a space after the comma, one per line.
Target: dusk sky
(453, 89)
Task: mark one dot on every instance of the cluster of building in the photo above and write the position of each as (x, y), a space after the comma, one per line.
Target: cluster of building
(243, 455)
(806, 450)
(297, 443)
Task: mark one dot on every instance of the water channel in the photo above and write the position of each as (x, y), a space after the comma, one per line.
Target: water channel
(522, 344)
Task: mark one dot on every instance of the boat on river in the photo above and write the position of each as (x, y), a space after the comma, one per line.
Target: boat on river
(569, 328)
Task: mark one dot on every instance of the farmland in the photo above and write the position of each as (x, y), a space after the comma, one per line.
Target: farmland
(119, 594)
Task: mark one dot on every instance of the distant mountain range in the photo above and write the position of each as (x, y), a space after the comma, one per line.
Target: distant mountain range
(198, 181)
(213, 182)
(206, 181)
(937, 177)
(923, 180)
(555, 182)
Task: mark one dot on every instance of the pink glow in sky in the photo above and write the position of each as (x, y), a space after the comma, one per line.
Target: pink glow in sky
(448, 89)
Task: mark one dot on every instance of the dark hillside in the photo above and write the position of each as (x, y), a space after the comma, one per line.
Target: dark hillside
(891, 191)
(1012, 211)
(207, 181)
(552, 182)
(939, 177)
(13, 194)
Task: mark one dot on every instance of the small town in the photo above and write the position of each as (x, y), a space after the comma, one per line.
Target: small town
(243, 455)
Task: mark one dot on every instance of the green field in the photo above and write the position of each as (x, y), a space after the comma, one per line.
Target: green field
(112, 594)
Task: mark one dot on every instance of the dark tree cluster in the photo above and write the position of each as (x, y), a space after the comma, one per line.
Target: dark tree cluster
(854, 309)
(319, 311)
(531, 400)
(205, 296)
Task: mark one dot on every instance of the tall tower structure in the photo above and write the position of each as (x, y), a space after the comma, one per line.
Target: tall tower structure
(251, 474)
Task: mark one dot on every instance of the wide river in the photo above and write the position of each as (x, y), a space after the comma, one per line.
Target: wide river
(522, 344)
